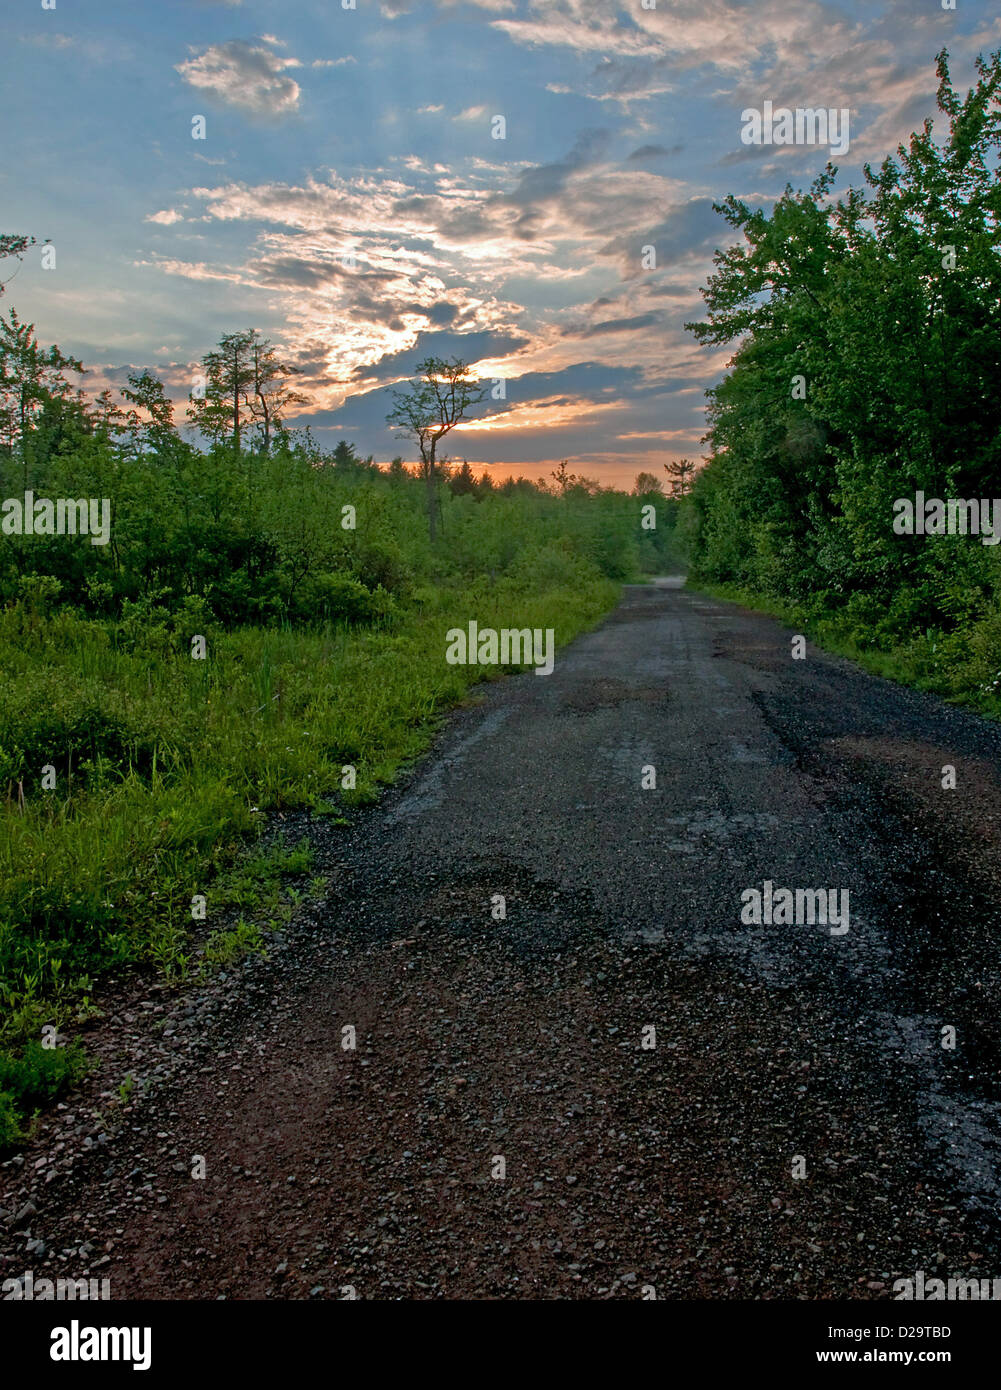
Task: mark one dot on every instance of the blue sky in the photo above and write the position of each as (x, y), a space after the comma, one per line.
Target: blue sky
(368, 133)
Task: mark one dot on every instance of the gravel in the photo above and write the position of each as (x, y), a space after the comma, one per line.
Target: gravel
(503, 1129)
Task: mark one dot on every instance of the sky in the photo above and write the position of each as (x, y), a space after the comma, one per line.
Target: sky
(357, 199)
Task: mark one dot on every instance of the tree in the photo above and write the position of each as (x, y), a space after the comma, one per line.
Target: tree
(682, 474)
(271, 392)
(153, 429)
(647, 483)
(344, 458)
(463, 480)
(563, 481)
(868, 348)
(428, 409)
(229, 374)
(31, 378)
(243, 379)
(398, 471)
(11, 245)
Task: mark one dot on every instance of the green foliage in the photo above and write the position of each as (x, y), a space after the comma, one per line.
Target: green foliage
(323, 596)
(32, 1080)
(325, 647)
(865, 371)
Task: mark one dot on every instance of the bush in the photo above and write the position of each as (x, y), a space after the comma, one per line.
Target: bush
(50, 716)
(33, 1080)
(340, 598)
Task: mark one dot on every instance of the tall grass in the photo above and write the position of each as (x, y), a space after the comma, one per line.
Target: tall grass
(165, 765)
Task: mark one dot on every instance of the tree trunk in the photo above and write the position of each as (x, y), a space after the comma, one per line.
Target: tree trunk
(432, 518)
(236, 401)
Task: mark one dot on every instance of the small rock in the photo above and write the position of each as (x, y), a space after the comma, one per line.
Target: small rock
(24, 1216)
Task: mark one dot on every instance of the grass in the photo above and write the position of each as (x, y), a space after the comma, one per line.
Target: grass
(136, 777)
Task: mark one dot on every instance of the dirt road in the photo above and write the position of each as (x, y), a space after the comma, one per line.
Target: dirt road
(504, 1126)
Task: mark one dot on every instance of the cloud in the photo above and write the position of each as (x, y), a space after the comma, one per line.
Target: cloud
(368, 271)
(166, 218)
(687, 228)
(46, 40)
(473, 250)
(191, 270)
(96, 50)
(392, 9)
(244, 75)
(872, 59)
(726, 34)
(647, 152)
(584, 25)
(616, 326)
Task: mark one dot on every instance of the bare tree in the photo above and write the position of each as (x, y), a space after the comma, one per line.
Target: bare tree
(13, 245)
(563, 481)
(271, 391)
(427, 409)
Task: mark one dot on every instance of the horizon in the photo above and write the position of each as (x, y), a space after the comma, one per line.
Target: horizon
(527, 256)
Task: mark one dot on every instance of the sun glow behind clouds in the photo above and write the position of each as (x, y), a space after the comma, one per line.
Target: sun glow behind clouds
(361, 243)
(546, 413)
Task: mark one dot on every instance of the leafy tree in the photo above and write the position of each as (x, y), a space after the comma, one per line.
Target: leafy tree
(31, 378)
(244, 380)
(345, 457)
(463, 481)
(229, 374)
(271, 393)
(150, 422)
(867, 333)
(563, 480)
(398, 472)
(681, 473)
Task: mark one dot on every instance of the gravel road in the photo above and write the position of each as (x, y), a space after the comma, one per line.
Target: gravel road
(504, 1126)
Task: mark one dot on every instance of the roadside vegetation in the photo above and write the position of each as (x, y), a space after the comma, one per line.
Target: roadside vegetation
(137, 773)
(868, 332)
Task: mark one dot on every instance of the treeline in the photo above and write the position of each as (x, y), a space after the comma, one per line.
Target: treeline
(251, 523)
(868, 371)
